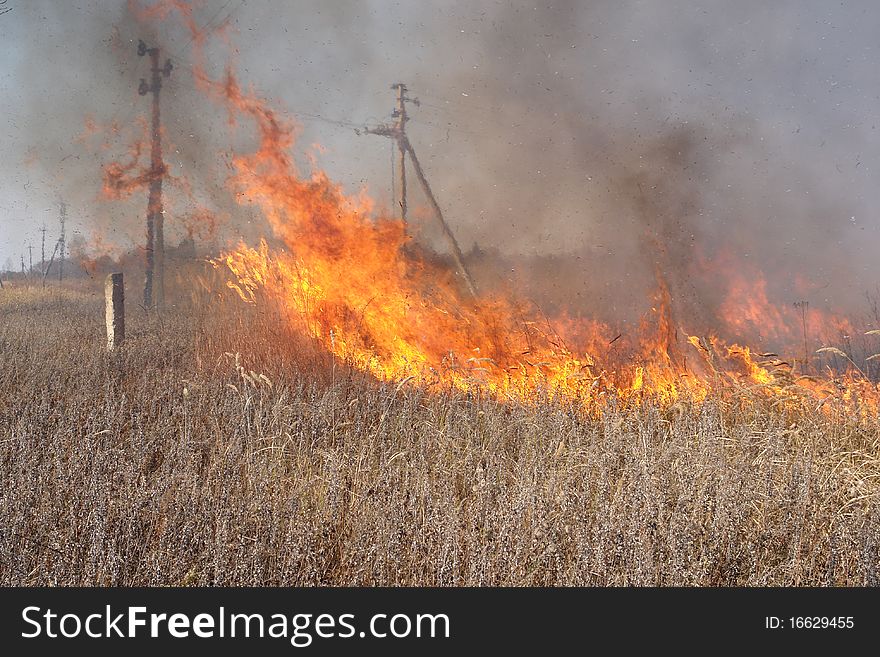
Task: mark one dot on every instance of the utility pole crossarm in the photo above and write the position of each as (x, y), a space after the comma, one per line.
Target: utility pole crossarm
(381, 130)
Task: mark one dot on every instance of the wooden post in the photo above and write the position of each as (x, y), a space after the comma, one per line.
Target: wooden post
(154, 283)
(400, 129)
(115, 311)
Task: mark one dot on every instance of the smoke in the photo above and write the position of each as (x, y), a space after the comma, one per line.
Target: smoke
(589, 146)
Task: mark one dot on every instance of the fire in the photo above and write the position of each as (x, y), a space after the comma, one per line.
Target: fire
(347, 281)
(122, 178)
(345, 278)
(748, 311)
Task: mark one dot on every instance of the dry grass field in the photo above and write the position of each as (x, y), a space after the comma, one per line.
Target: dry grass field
(218, 448)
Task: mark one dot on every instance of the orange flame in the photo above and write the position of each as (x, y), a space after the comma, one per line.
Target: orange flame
(345, 279)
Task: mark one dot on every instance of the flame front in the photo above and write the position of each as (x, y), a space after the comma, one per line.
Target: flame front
(351, 279)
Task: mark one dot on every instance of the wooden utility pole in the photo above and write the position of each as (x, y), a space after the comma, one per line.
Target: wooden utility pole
(114, 310)
(399, 127)
(43, 250)
(43, 255)
(802, 306)
(49, 266)
(154, 283)
(397, 132)
(62, 242)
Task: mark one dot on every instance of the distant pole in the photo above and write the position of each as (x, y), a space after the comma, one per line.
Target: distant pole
(62, 242)
(30, 259)
(22, 263)
(43, 255)
(802, 306)
(154, 283)
(114, 312)
(49, 266)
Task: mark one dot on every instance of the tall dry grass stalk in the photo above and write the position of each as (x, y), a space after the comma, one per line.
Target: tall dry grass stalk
(219, 448)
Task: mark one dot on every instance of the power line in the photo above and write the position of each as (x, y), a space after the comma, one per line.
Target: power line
(468, 104)
(343, 123)
(452, 111)
(178, 57)
(450, 128)
(181, 58)
(176, 85)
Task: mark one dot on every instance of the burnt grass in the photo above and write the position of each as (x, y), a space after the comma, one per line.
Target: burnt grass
(219, 448)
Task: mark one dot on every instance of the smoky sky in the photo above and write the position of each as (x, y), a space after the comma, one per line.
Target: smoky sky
(629, 135)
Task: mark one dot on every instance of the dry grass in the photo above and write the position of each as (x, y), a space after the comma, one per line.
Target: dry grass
(173, 463)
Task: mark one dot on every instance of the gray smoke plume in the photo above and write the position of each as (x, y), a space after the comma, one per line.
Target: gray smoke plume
(588, 145)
